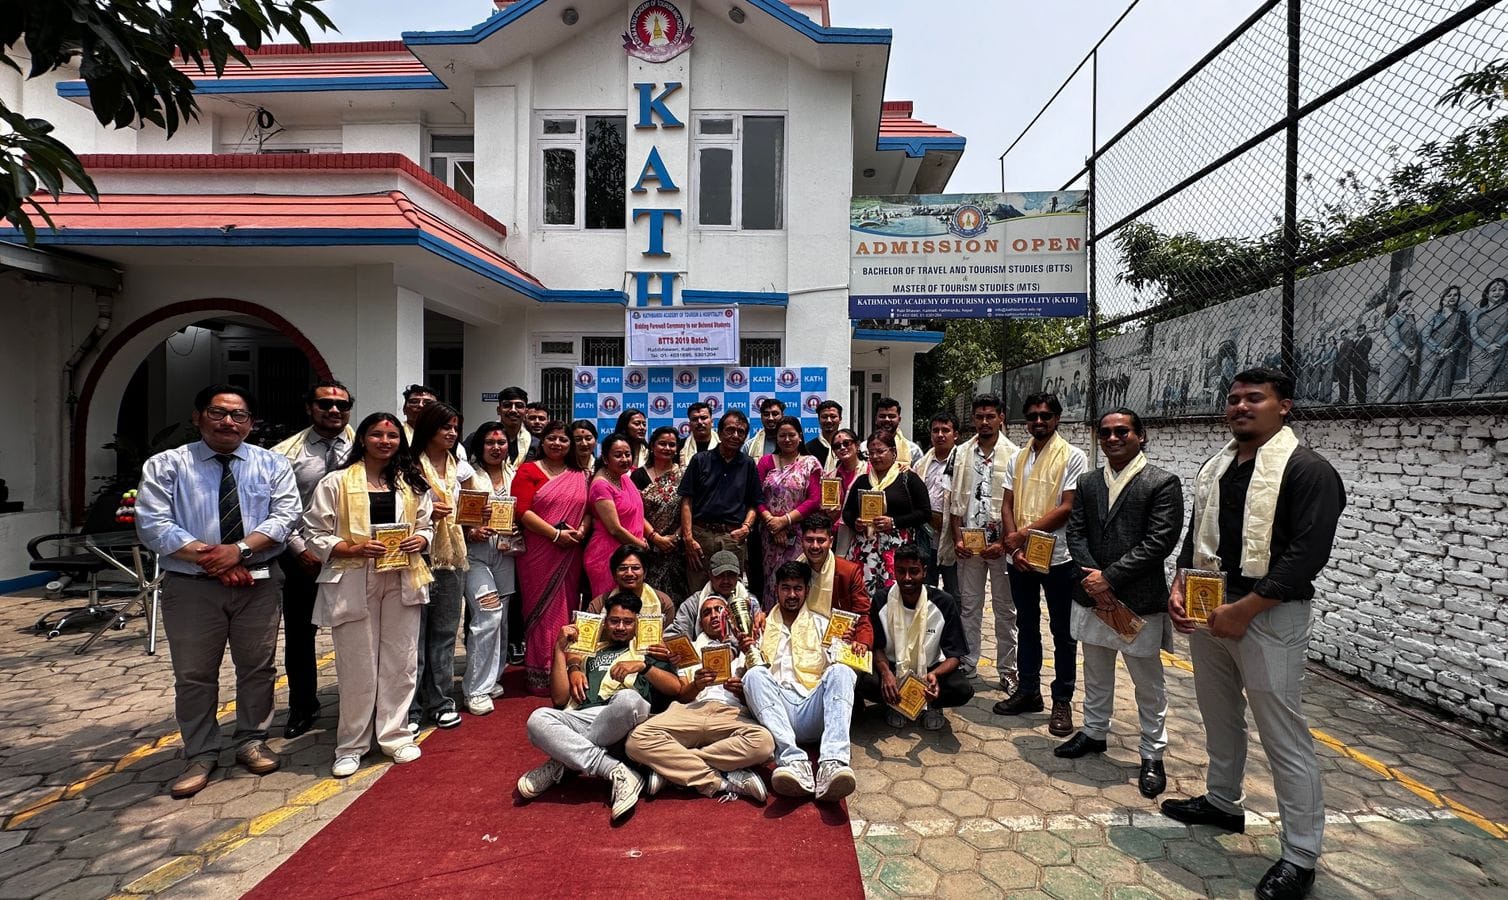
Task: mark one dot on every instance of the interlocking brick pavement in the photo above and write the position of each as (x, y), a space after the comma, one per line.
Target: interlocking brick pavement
(982, 808)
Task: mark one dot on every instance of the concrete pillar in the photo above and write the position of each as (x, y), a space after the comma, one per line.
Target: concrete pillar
(390, 333)
(497, 356)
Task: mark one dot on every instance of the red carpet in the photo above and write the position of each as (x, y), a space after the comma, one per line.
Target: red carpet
(452, 825)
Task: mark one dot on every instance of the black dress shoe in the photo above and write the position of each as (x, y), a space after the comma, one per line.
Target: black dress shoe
(1285, 881)
(1199, 811)
(1152, 779)
(1079, 745)
(1019, 703)
(299, 723)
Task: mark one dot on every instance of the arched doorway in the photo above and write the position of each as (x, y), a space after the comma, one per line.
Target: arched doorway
(194, 343)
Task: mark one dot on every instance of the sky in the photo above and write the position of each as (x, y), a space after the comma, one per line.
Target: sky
(981, 68)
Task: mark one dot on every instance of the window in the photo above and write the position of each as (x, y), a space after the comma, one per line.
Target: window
(583, 166)
(452, 159)
(602, 351)
(759, 351)
(740, 172)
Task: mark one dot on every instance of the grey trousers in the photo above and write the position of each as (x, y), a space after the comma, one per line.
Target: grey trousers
(579, 738)
(1151, 696)
(1263, 670)
(201, 617)
(972, 574)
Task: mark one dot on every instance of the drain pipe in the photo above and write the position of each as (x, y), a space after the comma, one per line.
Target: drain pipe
(104, 304)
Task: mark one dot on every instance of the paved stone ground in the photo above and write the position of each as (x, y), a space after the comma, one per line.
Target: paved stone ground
(983, 808)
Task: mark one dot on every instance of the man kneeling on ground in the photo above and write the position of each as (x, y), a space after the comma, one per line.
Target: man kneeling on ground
(918, 631)
(707, 741)
(598, 701)
(803, 694)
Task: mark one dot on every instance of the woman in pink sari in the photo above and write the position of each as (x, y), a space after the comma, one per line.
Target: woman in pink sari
(552, 499)
(791, 485)
(617, 508)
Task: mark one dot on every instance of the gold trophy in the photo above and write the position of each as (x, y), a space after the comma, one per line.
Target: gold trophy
(743, 625)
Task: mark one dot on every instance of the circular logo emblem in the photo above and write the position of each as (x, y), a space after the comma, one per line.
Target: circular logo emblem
(968, 220)
(585, 380)
(713, 403)
(736, 378)
(685, 429)
(610, 404)
(788, 378)
(636, 379)
(685, 378)
(812, 403)
(660, 405)
(656, 32)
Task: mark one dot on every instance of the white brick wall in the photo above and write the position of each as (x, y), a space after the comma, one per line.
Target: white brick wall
(1415, 598)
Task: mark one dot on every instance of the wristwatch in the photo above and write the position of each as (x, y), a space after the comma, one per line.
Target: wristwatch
(245, 549)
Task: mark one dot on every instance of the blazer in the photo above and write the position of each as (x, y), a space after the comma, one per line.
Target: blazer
(1128, 542)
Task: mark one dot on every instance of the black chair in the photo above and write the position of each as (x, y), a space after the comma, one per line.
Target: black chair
(75, 566)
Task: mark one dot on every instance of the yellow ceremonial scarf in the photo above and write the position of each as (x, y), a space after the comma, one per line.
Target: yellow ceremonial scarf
(448, 551)
(293, 446)
(907, 634)
(1115, 482)
(902, 453)
(611, 685)
(819, 594)
(1261, 504)
(888, 478)
(806, 645)
(1036, 494)
(356, 522)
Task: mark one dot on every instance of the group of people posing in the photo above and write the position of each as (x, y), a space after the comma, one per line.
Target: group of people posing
(747, 594)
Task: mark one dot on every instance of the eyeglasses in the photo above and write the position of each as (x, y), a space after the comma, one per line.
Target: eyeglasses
(220, 414)
(1119, 431)
(1041, 417)
(420, 402)
(512, 404)
(329, 403)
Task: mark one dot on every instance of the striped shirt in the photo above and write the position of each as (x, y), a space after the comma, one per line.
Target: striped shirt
(179, 500)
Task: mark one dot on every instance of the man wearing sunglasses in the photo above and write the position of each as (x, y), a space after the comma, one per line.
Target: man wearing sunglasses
(1125, 523)
(313, 452)
(1039, 489)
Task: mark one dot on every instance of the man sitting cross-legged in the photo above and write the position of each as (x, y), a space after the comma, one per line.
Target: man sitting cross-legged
(802, 694)
(598, 701)
(707, 741)
(918, 631)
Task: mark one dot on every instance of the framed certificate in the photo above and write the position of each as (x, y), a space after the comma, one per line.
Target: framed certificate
(471, 507)
(718, 659)
(500, 515)
(832, 493)
(840, 626)
(871, 505)
(913, 698)
(1038, 549)
(1203, 590)
(682, 652)
(651, 631)
(973, 539)
(859, 662)
(588, 631)
(390, 536)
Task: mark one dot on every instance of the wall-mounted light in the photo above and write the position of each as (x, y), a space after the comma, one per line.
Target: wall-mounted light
(570, 16)
(869, 173)
(737, 15)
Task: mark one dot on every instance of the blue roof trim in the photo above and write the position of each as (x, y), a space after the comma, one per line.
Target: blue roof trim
(80, 90)
(774, 8)
(736, 298)
(917, 147)
(905, 337)
(318, 237)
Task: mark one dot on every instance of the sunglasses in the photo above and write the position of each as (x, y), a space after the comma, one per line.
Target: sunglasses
(329, 403)
(839, 445)
(1119, 431)
(1040, 417)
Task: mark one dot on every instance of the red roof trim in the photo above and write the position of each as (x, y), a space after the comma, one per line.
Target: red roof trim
(331, 47)
(287, 162)
(902, 108)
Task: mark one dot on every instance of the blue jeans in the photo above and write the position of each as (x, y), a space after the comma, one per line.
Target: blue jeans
(438, 624)
(823, 715)
(1026, 588)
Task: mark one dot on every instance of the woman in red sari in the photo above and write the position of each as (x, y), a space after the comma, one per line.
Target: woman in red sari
(552, 502)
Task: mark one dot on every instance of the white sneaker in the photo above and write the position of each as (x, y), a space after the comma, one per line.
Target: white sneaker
(406, 754)
(479, 704)
(627, 785)
(346, 766)
(794, 780)
(497, 691)
(654, 783)
(934, 720)
(745, 783)
(540, 779)
(412, 728)
(835, 780)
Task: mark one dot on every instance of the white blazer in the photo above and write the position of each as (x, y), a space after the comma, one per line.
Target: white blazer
(343, 591)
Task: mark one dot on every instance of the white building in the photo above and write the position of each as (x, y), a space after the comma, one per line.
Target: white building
(470, 208)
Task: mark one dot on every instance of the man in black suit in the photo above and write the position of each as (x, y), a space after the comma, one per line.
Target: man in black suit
(1125, 523)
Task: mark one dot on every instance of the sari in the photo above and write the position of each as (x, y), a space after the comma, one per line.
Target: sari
(797, 487)
(550, 582)
(602, 545)
(662, 510)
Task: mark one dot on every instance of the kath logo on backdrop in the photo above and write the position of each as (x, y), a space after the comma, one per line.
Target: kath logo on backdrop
(585, 380)
(657, 32)
(969, 220)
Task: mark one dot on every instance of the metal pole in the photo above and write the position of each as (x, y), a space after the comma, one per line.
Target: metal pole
(1094, 338)
(1291, 190)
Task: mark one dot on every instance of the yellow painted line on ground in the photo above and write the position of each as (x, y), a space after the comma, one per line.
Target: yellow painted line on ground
(74, 789)
(1498, 830)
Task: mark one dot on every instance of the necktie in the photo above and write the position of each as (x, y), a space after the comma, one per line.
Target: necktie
(332, 456)
(231, 529)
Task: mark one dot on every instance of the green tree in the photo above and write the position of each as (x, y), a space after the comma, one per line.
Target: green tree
(125, 51)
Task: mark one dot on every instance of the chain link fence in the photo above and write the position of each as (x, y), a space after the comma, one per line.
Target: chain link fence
(1326, 191)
